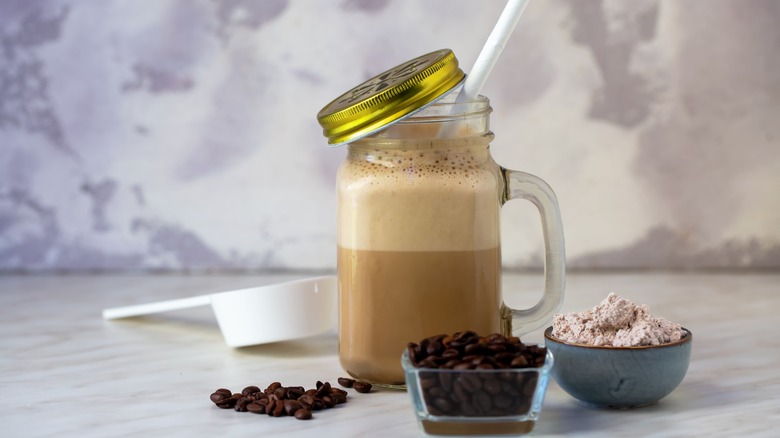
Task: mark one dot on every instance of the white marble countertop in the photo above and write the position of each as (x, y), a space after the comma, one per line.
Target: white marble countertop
(66, 372)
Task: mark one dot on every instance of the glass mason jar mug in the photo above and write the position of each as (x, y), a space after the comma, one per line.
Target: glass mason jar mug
(419, 251)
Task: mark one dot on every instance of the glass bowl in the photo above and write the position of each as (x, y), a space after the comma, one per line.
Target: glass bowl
(477, 402)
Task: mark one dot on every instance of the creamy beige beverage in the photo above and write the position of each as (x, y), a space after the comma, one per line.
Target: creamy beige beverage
(418, 207)
(418, 249)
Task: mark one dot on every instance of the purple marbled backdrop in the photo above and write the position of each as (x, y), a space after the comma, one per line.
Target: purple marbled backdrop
(181, 135)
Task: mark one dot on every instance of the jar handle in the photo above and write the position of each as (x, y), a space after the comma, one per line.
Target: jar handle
(521, 185)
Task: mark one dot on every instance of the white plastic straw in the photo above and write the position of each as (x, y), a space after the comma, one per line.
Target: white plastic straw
(490, 52)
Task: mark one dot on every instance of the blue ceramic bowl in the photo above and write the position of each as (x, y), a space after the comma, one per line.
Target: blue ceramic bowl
(619, 377)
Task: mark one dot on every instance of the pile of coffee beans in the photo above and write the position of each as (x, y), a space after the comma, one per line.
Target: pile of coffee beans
(482, 381)
(279, 401)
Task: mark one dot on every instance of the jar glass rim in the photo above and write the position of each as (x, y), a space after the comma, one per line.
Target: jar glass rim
(448, 109)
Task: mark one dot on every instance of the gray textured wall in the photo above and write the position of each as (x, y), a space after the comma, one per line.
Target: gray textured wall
(182, 134)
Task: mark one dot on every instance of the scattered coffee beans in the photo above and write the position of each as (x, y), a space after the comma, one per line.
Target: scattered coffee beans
(346, 382)
(277, 400)
(362, 387)
(477, 386)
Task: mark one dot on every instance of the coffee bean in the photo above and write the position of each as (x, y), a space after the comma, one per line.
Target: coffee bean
(280, 393)
(422, 348)
(450, 353)
(290, 406)
(224, 399)
(218, 397)
(434, 348)
(221, 394)
(227, 403)
(443, 404)
(241, 404)
(476, 360)
(446, 381)
(496, 348)
(460, 394)
(278, 408)
(502, 401)
(346, 382)
(307, 400)
(530, 386)
(428, 380)
(449, 365)
(255, 408)
(505, 357)
(317, 404)
(250, 390)
(272, 402)
(473, 379)
(433, 410)
(362, 387)
(519, 362)
(303, 414)
(467, 410)
(458, 344)
(481, 401)
(492, 386)
(523, 406)
(272, 387)
(339, 397)
(437, 392)
(495, 338)
(294, 392)
(412, 355)
(510, 388)
(466, 384)
(428, 362)
(464, 335)
(322, 389)
(475, 349)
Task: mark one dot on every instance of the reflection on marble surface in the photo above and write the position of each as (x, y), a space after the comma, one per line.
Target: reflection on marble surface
(180, 135)
(66, 372)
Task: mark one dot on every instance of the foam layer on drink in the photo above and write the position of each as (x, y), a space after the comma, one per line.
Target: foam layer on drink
(437, 195)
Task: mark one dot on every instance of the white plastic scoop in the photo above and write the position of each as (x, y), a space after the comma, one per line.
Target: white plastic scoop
(259, 315)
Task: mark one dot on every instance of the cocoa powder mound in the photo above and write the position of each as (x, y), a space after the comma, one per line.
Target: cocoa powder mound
(615, 322)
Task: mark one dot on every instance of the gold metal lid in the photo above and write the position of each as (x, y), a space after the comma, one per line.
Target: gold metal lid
(390, 96)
